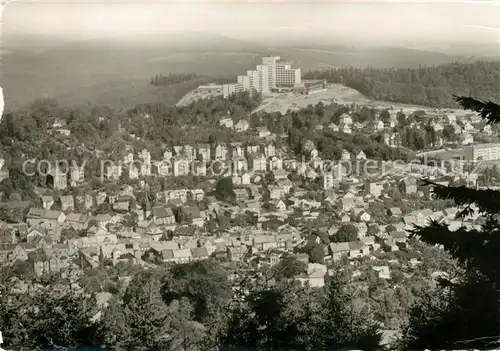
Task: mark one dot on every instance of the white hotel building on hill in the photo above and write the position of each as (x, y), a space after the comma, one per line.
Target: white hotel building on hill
(272, 74)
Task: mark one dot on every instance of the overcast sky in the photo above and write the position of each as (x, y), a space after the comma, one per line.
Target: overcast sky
(253, 20)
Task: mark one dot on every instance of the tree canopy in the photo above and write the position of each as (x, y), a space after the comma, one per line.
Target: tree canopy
(432, 86)
(346, 233)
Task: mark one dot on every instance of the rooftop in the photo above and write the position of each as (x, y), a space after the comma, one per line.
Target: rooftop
(484, 146)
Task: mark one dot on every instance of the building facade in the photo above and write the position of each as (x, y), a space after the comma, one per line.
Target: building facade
(484, 152)
(273, 73)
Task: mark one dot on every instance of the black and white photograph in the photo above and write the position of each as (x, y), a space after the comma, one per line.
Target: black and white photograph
(249, 175)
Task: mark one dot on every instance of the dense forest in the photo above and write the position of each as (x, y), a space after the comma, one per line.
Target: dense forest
(172, 78)
(431, 86)
(161, 80)
(192, 306)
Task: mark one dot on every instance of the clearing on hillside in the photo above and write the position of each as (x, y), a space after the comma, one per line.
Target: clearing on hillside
(334, 94)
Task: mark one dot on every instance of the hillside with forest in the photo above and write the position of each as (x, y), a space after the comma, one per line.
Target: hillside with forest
(431, 86)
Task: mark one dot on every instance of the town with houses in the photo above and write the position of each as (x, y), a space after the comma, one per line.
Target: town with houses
(270, 186)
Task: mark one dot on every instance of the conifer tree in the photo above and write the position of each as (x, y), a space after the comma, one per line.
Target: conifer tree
(463, 313)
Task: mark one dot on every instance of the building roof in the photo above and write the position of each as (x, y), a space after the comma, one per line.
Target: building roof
(395, 210)
(368, 240)
(161, 212)
(339, 247)
(66, 198)
(76, 217)
(182, 253)
(193, 211)
(356, 245)
(167, 254)
(409, 220)
(52, 214)
(36, 212)
(199, 252)
(240, 249)
(348, 200)
(103, 217)
(410, 181)
(399, 234)
(240, 192)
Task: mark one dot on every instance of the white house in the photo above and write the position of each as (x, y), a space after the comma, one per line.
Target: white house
(361, 156)
(242, 126)
(263, 132)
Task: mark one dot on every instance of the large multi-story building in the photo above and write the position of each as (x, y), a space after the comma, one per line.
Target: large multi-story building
(328, 180)
(484, 152)
(230, 89)
(273, 73)
(285, 75)
(270, 62)
(263, 81)
(213, 89)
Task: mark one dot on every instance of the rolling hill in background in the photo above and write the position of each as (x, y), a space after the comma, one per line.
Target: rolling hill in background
(116, 72)
(309, 58)
(87, 69)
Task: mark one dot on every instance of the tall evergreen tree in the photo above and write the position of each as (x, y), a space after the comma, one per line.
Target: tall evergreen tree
(464, 312)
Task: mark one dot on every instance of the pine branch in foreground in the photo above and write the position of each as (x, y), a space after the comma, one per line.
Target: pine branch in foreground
(464, 244)
(486, 200)
(486, 109)
(466, 313)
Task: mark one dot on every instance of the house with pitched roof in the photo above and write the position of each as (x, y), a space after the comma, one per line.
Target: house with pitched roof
(408, 185)
(236, 253)
(35, 216)
(263, 132)
(67, 202)
(182, 255)
(77, 221)
(315, 275)
(199, 253)
(277, 205)
(203, 152)
(394, 211)
(103, 220)
(358, 249)
(47, 202)
(242, 126)
(338, 250)
(275, 192)
(241, 194)
(285, 185)
(348, 204)
(162, 215)
(194, 215)
(53, 218)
